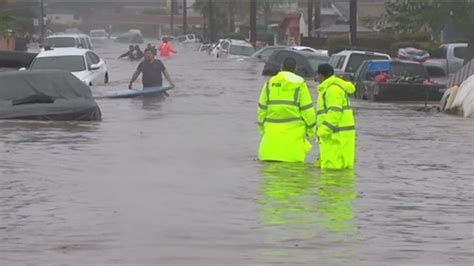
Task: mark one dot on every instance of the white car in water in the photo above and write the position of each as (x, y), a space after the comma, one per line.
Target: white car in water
(99, 35)
(86, 65)
(229, 48)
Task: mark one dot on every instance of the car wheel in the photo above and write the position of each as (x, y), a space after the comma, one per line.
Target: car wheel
(106, 78)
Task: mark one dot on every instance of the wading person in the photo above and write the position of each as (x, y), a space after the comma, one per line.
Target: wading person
(165, 49)
(286, 117)
(335, 130)
(131, 54)
(151, 70)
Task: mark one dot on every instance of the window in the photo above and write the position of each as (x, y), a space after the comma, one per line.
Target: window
(340, 62)
(460, 52)
(82, 43)
(94, 58)
(407, 70)
(281, 56)
(355, 60)
(242, 50)
(60, 42)
(68, 63)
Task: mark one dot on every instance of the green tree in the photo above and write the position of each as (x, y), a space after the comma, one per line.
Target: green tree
(7, 22)
(415, 16)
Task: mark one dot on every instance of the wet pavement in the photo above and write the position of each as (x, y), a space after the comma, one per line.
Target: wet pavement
(175, 180)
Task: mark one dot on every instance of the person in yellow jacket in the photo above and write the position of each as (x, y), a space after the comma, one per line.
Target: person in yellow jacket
(286, 117)
(335, 126)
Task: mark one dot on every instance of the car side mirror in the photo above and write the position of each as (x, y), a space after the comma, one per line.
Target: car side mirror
(94, 67)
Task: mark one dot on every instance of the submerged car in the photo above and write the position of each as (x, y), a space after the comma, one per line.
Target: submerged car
(264, 54)
(86, 65)
(46, 95)
(99, 35)
(68, 41)
(306, 62)
(129, 37)
(229, 48)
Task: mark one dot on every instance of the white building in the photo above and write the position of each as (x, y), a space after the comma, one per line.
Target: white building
(64, 17)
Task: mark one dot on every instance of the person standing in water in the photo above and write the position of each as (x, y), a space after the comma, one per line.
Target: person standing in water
(151, 70)
(165, 49)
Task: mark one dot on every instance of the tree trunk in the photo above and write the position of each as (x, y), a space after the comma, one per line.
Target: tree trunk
(310, 17)
(353, 22)
(185, 17)
(232, 15)
(253, 22)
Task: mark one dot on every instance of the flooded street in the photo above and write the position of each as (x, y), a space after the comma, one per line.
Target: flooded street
(176, 180)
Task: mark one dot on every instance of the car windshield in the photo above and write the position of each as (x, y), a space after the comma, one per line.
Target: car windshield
(68, 63)
(60, 42)
(356, 60)
(404, 70)
(241, 50)
(315, 61)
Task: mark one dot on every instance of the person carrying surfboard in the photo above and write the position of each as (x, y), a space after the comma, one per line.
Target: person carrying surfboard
(151, 70)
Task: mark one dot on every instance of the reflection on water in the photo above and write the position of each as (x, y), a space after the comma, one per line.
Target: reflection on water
(298, 194)
(307, 211)
(336, 193)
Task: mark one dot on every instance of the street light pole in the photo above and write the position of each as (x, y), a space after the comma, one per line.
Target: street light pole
(41, 20)
(172, 17)
(253, 22)
(185, 17)
(353, 22)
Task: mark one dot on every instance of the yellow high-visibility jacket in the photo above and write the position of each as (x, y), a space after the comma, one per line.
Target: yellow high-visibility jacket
(285, 117)
(335, 124)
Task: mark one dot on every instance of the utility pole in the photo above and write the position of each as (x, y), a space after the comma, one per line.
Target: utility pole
(212, 26)
(232, 15)
(185, 17)
(353, 22)
(253, 22)
(310, 17)
(41, 20)
(317, 14)
(172, 17)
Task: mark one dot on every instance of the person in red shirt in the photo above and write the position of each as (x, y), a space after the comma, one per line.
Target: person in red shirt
(165, 49)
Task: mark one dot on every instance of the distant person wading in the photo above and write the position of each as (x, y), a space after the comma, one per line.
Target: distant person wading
(165, 49)
(151, 70)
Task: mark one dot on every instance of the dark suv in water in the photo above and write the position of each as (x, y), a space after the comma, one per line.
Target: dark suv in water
(306, 62)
